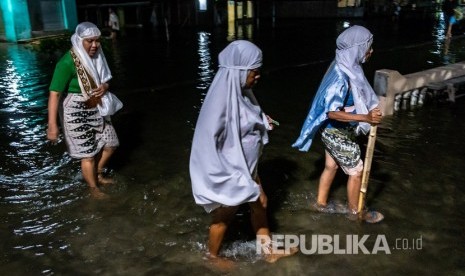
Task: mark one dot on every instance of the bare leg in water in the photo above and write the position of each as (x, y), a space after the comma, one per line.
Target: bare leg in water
(221, 217)
(260, 224)
(326, 179)
(354, 183)
(89, 173)
(102, 160)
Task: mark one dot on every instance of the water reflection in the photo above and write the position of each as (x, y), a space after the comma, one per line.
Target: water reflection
(440, 29)
(205, 61)
(240, 31)
(29, 165)
(22, 110)
(205, 72)
(442, 44)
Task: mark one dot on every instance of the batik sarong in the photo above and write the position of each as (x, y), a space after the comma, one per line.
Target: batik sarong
(86, 131)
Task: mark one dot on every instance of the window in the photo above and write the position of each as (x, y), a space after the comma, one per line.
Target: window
(202, 5)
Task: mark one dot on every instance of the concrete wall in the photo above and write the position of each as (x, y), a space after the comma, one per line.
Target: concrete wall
(389, 83)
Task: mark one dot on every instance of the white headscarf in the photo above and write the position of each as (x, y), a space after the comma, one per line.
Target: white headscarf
(97, 65)
(229, 133)
(352, 45)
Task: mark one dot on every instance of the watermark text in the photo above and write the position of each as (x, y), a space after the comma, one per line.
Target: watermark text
(335, 244)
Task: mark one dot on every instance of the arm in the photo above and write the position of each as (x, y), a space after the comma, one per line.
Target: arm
(52, 130)
(373, 117)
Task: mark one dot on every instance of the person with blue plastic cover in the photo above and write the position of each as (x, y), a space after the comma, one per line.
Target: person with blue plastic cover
(344, 106)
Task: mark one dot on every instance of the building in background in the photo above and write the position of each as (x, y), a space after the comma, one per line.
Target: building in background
(28, 19)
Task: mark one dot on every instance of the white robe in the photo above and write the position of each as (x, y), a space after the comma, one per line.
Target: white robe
(229, 135)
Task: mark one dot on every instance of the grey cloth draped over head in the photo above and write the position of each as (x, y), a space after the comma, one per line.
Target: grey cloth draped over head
(230, 132)
(352, 45)
(97, 65)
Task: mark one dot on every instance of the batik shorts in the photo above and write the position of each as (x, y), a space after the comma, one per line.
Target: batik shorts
(340, 143)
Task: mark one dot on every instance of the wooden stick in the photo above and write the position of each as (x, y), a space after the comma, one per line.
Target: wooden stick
(366, 169)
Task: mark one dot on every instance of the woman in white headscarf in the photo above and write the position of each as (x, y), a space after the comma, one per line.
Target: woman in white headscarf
(230, 133)
(83, 74)
(344, 106)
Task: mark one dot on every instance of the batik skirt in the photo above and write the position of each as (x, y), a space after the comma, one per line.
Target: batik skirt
(85, 130)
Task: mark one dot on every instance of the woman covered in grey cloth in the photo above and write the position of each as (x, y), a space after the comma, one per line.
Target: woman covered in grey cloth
(229, 136)
(344, 106)
(83, 74)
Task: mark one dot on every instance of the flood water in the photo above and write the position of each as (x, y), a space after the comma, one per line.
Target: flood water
(151, 224)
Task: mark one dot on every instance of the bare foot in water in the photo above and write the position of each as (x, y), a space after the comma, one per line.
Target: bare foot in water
(97, 194)
(221, 264)
(367, 216)
(102, 180)
(274, 254)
